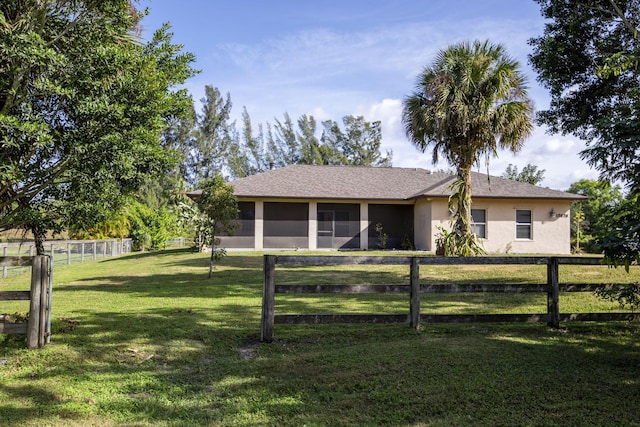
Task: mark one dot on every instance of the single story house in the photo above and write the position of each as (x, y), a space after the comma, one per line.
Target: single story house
(347, 207)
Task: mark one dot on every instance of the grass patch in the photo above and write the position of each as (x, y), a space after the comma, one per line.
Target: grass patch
(147, 339)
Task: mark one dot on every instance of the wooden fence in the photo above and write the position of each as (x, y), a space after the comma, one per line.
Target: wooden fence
(38, 325)
(552, 288)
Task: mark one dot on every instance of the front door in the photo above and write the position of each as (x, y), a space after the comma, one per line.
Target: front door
(326, 227)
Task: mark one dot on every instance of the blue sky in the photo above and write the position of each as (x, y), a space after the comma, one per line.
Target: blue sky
(335, 58)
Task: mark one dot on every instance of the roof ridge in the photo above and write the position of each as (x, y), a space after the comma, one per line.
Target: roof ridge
(354, 167)
(433, 186)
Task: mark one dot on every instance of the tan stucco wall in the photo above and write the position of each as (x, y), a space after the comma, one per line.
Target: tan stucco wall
(549, 235)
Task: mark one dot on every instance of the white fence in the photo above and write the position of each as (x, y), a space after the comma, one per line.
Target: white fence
(66, 251)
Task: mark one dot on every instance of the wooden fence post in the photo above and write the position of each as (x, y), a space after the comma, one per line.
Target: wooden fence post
(82, 252)
(49, 286)
(4, 268)
(414, 308)
(68, 253)
(553, 293)
(268, 298)
(38, 303)
(44, 303)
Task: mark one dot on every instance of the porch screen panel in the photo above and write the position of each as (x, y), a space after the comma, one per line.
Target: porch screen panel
(286, 225)
(243, 235)
(346, 227)
(397, 224)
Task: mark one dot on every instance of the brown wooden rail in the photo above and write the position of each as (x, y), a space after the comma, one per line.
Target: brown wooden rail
(552, 287)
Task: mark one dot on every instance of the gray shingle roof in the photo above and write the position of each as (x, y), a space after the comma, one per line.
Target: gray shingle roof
(366, 183)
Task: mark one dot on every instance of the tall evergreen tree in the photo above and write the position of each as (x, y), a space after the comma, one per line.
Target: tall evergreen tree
(308, 141)
(358, 144)
(286, 142)
(529, 174)
(179, 139)
(212, 137)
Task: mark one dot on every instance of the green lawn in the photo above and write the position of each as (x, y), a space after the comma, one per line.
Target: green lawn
(147, 339)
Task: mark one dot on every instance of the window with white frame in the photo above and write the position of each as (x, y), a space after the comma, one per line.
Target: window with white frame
(523, 224)
(479, 222)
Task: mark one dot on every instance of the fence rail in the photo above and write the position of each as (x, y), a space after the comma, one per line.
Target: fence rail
(552, 288)
(38, 325)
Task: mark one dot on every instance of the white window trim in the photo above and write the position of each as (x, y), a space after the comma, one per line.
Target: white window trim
(530, 224)
(485, 223)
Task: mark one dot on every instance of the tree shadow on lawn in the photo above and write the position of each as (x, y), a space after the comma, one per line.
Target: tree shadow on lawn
(175, 257)
(203, 373)
(183, 285)
(164, 253)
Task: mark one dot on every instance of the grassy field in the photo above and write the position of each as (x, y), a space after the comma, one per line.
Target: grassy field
(146, 339)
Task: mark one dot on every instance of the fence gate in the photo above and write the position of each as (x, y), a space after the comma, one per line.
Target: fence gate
(38, 326)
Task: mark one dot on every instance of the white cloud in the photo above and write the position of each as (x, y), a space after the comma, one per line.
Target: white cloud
(558, 146)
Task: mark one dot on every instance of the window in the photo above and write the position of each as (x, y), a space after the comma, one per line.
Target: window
(479, 223)
(523, 224)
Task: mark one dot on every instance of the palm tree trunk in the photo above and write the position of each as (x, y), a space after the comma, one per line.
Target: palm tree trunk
(462, 224)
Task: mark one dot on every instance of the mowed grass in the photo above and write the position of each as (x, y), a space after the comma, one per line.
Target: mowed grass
(147, 339)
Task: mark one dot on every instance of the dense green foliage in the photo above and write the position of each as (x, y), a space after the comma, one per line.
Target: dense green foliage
(469, 102)
(150, 229)
(621, 243)
(592, 218)
(82, 105)
(588, 59)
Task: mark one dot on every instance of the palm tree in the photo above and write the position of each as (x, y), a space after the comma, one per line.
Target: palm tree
(467, 104)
